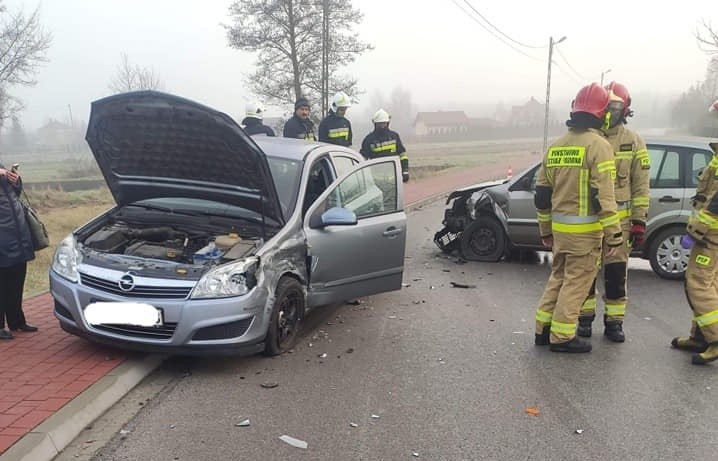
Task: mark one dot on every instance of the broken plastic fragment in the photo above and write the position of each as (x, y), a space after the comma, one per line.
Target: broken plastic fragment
(375, 416)
(269, 385)
(124, 431)
(579, 431)
(462, 285)
(415, 454)
(322, 356)
(392, 316)
(294, 442)
(353, 425)
(244, 423)
(533, 411)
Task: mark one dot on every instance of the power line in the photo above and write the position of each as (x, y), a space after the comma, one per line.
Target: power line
(493, 33)
(571, 76)
(570, 66)
(499, 30)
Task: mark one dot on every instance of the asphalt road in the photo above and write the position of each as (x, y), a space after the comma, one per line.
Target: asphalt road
(448, 374)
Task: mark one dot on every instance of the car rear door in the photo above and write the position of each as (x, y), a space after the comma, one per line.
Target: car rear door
(668, 193)
(350, 261)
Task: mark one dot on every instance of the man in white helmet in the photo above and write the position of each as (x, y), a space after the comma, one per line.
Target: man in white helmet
(383, 142)
(336, 128)
(252, 121)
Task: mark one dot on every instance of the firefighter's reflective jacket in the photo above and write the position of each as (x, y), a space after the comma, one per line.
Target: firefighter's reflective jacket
(632, 173)
(299, 128)
(574, 189)
(335, 130)
(703, 224)
(384, 143)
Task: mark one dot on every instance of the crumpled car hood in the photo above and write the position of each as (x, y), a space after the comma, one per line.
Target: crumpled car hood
(150, 144)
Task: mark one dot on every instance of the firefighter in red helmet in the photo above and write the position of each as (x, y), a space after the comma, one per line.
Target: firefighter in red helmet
(577, 215)
(631, 190)
(702, 270)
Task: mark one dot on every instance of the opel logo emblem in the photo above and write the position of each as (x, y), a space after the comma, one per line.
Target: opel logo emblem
(126, 283)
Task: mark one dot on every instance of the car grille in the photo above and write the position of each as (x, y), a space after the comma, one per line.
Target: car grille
(164, 331)
(62, 311)
(139, 291)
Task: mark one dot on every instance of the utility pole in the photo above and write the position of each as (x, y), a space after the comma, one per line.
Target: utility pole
(325, 58)
(69, 109)
(551, 43)
(604, 73)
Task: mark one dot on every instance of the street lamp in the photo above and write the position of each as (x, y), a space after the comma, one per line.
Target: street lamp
(604, 73)
(551, 43)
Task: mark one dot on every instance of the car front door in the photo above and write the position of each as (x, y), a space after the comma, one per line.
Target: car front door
(668, 195)
(522, 222)
(352, 260)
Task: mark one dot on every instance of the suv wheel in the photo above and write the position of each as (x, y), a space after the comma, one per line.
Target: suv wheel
(483, 240)
(668, 258)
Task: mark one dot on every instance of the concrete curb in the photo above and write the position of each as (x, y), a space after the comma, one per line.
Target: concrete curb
(425, 201)
(54, 434)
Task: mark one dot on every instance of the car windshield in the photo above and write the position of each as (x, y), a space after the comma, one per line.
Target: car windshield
(286, 174)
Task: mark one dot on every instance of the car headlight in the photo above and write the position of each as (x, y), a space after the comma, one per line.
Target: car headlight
(67, 258)
(471, 207)
(233, 279)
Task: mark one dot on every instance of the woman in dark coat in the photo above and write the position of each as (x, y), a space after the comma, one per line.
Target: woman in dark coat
(16, 250)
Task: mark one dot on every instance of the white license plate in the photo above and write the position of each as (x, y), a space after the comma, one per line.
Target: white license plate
(123, 313)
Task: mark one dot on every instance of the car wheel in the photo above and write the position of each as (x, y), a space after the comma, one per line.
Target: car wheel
(483, 240)
(286, 317)
(667, 257)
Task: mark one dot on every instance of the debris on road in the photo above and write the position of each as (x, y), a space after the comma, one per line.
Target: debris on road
(322, 356)
(462, 285)
(392, 316)
(350, 350)
(406, 285)
(244, 423)
(172, 426)
(353, 425)
(533, 411)
(579, 431)
(375, 416)
(269, 384)
(353, 302)
(415, 454)
(294, 442)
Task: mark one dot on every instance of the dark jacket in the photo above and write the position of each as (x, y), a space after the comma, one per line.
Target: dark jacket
(384, 143)
(15, 240)
(300, 129)
(335, 130)
(255, 126)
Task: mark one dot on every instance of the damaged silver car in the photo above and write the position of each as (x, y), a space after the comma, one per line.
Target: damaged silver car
(486, 221)
(221, 243)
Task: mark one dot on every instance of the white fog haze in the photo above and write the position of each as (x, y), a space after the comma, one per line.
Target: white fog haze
(434, 50)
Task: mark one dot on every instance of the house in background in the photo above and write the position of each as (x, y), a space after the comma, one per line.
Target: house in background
(530, 114)
(58, 135)
(441, 122)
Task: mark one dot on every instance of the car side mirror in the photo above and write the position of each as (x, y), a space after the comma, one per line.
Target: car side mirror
(333, 217)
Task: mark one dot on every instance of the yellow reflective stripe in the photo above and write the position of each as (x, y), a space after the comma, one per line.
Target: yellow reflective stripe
(610, 220)
(608, 165)
(642, 152)
(568, 329)
(543, 217)
(543, 316)
(589, 304)
(703, 320)
(615, 309)
(403, 157)
(576, 228)
(339, 133)
(707, 219)
(625, 154)
(389, 146)
(714, 163)
(703, 260)
(623, 214)
(641, 201)
(583, 192)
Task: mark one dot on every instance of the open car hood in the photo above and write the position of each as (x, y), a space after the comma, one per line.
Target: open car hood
(150, 144)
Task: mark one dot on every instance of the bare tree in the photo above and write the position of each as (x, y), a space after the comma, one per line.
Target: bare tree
(707, 38)
(23, 47)
(287, 37)
(134, 77)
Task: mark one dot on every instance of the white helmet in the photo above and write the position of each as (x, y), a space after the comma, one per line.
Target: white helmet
(381, 116)
(341, 99)
(714, 107)
(254, 110)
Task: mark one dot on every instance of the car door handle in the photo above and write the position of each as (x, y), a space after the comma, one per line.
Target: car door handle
(392, 232)
(668, 199)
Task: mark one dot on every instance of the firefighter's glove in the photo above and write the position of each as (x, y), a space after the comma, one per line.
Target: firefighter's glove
(405, 176)
(637, 233)
(687, 242)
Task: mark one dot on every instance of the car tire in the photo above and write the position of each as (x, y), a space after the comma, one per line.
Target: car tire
(286, 318)
(483, 240)
(667, 257)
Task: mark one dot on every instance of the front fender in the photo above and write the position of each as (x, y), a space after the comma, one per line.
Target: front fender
(486, 205)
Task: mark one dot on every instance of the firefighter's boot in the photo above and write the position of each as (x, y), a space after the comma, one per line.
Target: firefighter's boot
(707, 356)
(696, 343)
(542, 339)
(584, 327)
(575, 345)
(614, 332)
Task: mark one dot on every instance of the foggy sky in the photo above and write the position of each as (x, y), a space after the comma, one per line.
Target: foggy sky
(430, 47)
